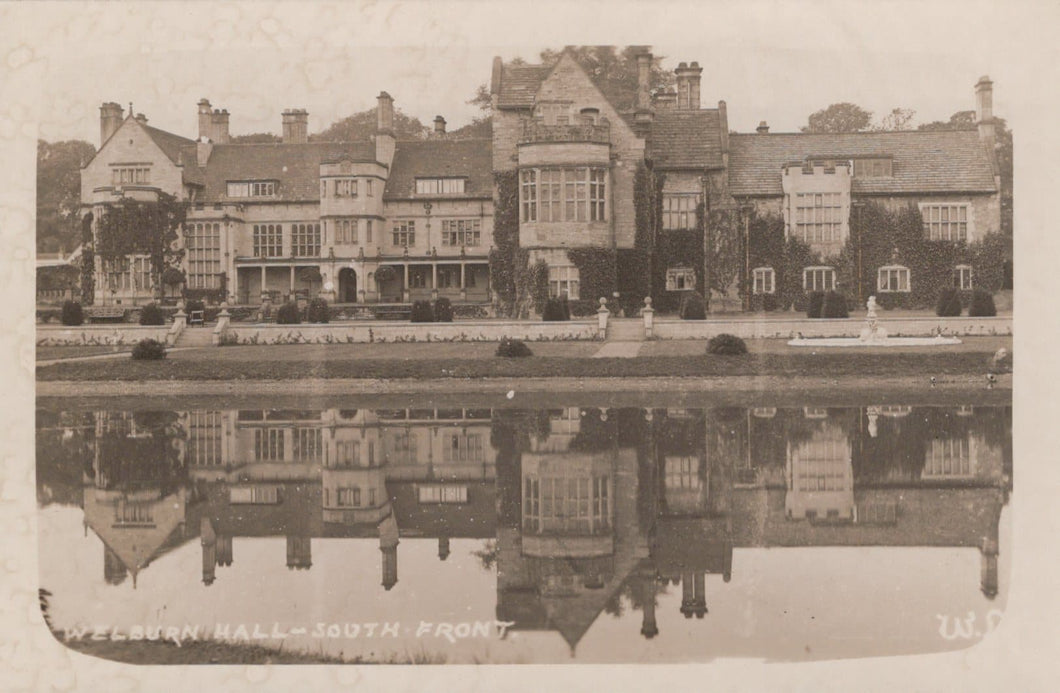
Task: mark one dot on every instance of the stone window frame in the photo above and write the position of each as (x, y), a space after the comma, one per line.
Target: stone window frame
(404, 233)
(267, 240)
(555, 194)
(203, 245)
(814, 222)
(461, 232)
(564, 279)
(681, 217)
(963, 278)
(252, 188)
(898, 273)
(680, 279)
(769, 280)
(818, 270)
(441, 185)
(949, 229)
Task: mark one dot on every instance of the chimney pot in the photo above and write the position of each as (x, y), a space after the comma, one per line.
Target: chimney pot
(384, 120)
(688, 86)
(111, 116)
(644, 61)
(295, 126)
(763, 128)
(439, 125)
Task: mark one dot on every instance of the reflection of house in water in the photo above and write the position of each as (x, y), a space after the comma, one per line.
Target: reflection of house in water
(820, 478)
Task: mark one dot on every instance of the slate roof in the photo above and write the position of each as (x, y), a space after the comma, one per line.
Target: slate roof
(687, 139)
(295, 166)
(438, 158)
(923, 161)
(519, 85)
(168, 142)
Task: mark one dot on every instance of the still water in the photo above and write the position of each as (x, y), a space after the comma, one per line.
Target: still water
(554, 534)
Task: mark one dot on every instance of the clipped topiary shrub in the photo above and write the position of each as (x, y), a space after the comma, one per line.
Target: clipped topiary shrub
(556, 310)
(949, 303)
(317, 310)
(72, 313)
(513, 348)
(834, 306)
(443, 310)
(693, 307)
(152, 315)
(815, 302)
(149, 350)
(982, 305)
(422, 312)
(727, 345)
(288, 314)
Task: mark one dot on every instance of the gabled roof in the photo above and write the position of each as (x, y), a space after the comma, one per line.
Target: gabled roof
(168, 142)
(923, 161)
(440, 158)
(295, 166)
(687, 139)
(519, 85)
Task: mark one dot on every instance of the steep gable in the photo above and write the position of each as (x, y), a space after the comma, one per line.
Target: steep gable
(568, 82)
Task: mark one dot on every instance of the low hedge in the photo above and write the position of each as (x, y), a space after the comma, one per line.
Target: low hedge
(726, 345)
(949, 303)
(513, 348)
(149, 350)
(152, 314)
(815, 302)
(834, 306)
(982, 305)
(556, 310)
(317, 311)
(72, 314)
(763, 302)
(288, 314)
(443, 310)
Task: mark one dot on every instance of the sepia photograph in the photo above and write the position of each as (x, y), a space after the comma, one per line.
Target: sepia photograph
(468, 345)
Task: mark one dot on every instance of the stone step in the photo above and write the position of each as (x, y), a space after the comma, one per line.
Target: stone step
(625, 330)
(195, 337)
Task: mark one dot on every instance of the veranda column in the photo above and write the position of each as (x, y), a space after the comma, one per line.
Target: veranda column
(434, 280)
(463, 284)
(263, 291)
(292, 280)
(405, 287)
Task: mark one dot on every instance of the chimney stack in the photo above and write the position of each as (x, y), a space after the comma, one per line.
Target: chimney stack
(205, 119)
(295, 126)
(763, 128)
(111, 116)
(439, 125)
(984, 110)
(644, 81)
(665, 100)
(688, 86)
(384, 116)
(219, 126)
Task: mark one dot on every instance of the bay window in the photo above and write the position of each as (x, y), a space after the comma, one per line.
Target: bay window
(204, 255)
(563, 194)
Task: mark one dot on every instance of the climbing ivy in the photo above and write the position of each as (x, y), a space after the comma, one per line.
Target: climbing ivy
(596, 273)
(88, 262)
(135, 227)
(502, 258)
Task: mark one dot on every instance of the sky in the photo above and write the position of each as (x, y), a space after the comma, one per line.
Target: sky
(768, 61)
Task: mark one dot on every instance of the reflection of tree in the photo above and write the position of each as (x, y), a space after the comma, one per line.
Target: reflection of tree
(149, 458)
(595, 434)
(64, 446)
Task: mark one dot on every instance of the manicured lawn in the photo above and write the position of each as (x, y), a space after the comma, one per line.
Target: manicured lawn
(382, 352)
(695, 347)
(46, 353)
(215, 365)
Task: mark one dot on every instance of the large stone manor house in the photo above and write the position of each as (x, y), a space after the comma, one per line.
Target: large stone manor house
(389, 221)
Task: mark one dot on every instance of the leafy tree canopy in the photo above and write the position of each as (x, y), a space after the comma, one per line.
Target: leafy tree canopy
(256, 138)
(360, 126)
(839, 117)
(134, 227)
(59, 193)
(897, 119)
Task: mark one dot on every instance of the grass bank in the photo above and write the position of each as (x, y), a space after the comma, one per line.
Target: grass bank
(212, 365)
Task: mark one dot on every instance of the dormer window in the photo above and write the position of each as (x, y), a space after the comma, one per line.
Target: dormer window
(873, 168)
(252, 188)
(440, 186)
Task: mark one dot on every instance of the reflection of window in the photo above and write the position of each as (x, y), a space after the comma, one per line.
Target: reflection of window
(962, 277)
(463, 448)
(764, 412)
(578, 504)
(268, 444)
(679, 211)
(254, 495)
(347, 453)
(893, 278)
(563, 281)
(818, 217)
(818, 279)
(815, 412)
(948, 457)
(945, 222)
(204, 438)
(128, 513)
(441, 493)
(764, 280)
(308, 444)
(348, 497)
(682, 472)
(680, 279)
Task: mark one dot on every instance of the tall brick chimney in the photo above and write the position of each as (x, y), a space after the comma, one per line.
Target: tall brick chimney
(295, 126)
(384, 129)
(688, 86)
(644, 81)
(205, 119)
(219, 126)
(111, 116)
(763, 128)
(984, 110)
(665, 100)
(439, 126)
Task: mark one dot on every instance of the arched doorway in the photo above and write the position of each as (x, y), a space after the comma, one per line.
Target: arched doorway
(347, 285)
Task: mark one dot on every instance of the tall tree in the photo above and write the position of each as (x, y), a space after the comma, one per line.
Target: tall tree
(360, 126)
(961, 120)
(897, 119)
(839, 117)
(59, 193)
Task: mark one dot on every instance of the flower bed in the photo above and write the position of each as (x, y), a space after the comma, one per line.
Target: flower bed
(774, 328)
(99, 335)
(403, 332)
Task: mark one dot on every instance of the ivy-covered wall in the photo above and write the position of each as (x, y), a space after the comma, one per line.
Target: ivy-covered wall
(596, 274)
(505, 240)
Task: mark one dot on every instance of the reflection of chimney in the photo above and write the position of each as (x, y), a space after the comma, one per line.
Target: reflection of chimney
(688, 86)
(209, 551)
(649, 629)
(140, 117)
(443, 548)
(114, 570)
(763, 128)
(693, 595)
(439, 125)
(299, 553)
(295, 126)
(388, 543)
(110, 117)
(988, 551)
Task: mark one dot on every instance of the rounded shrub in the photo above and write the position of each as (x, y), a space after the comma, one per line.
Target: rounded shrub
(814, 304)
(949, 303)
(152, 315)
(422, 312)
(288, 314)
(982, 305)
(834, 306)
(556, 310)
(149, 350)
(317, 310)
(443, 310)
(72, 313)
(693, 307)
(513, 348)
(727, 345)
